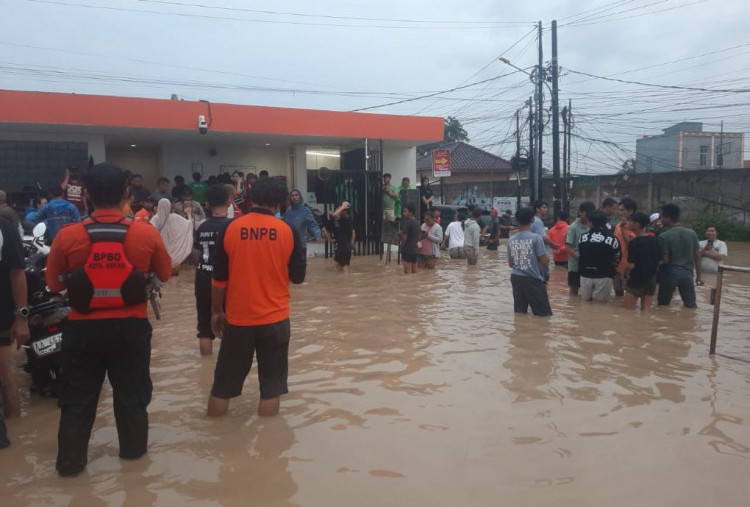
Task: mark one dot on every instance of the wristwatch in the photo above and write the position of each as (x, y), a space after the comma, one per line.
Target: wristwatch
(22, 312)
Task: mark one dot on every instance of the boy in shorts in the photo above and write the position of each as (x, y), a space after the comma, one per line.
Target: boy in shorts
(259, 254)
(599, 253)
(643, 262)
(206, 238)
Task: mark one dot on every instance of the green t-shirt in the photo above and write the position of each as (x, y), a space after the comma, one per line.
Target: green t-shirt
(198, 189)
(575, 231)
(397, 206)
(388, 201)
(679, 245)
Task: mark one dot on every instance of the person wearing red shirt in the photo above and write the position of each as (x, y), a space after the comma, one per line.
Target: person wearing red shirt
(261, 252)
(73, 188)
(112, 339)
(557, 233)
(146, 212)
(624, 234)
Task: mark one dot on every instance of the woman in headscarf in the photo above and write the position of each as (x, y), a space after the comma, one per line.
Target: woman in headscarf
(175, 231)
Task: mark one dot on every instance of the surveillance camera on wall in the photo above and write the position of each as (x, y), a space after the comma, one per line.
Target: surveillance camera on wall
(202, 125)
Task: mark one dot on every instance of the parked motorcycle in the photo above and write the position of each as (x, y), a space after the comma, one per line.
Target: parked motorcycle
(47, 312)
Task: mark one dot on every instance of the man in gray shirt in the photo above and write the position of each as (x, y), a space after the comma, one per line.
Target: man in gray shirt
(527, 257)
(471, 237)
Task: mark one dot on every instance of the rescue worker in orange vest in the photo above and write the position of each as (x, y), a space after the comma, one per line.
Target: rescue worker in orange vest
(254, 262)
(103, 262)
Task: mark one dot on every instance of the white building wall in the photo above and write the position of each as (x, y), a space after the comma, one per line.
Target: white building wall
(184, 159)
(400, 162)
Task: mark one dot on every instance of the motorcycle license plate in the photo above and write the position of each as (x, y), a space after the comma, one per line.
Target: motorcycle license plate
(48, 345)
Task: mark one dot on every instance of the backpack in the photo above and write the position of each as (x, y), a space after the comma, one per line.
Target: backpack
(108, 280)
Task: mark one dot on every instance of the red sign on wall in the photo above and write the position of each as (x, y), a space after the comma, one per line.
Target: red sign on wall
(441, 163)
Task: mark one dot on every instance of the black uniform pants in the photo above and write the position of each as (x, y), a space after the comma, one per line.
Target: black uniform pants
(121, 349)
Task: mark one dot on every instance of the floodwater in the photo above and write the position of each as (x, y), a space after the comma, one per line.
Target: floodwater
(426, 390)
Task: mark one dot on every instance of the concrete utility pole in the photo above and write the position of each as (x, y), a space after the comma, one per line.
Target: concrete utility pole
(539, 96)
(517, 159)
(555, 128)
(720, 151)
(532, 155)
(564, 189)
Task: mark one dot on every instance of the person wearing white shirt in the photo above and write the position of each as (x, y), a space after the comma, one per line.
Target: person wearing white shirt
(454, 237)
(713, 251)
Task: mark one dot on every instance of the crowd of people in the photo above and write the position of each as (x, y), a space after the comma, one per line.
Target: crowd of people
(627, 254)
(108, 232)
(611, 251)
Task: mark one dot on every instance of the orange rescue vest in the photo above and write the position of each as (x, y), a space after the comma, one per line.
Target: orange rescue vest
(108, 279)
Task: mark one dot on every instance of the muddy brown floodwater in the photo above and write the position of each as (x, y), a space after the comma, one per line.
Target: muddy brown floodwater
(426, 390)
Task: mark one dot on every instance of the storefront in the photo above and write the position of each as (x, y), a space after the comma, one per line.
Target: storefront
(42, 133)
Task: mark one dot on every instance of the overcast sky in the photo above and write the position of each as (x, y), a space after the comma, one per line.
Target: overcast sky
(347, 55)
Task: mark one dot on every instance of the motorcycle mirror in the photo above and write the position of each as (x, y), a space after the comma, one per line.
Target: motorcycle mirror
(39, 230)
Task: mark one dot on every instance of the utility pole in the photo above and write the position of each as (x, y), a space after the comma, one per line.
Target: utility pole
(570, 149)
(720, 151)
(555, 128)
(517, 159)
(531, 159)
(564, 189)
(540, 114)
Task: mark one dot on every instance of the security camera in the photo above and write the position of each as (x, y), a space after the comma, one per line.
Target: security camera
(202, 125)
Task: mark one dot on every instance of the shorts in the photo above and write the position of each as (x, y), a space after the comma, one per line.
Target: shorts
(410, 258)
(423, 257)
(457, 253)
(574, 279)
(203, 306)
(238, 344)
(598, 289)
(471, 255)
(343, 255)
(647, 290)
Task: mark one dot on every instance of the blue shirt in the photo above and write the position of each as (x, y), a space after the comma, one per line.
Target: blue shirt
(537, 227)
(57, 213)
(524, 249)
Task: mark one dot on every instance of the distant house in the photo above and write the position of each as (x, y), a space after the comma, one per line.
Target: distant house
(475, 175)
(687, 147)
(468, 164)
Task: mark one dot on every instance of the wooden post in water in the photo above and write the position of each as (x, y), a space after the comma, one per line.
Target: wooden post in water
(717, 307)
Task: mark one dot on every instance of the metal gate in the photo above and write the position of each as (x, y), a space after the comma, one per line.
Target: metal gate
(359, 182)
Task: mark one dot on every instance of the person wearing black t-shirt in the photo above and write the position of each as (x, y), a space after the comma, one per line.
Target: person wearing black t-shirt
(340, 224)
(643, 262)
(409, 233)
(207, 237)
(425, 196)
(599, 254)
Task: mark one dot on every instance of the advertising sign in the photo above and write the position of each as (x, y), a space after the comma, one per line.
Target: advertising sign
(441, 163)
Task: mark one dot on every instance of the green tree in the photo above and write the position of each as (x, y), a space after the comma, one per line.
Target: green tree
(628, 167)
(453, 132)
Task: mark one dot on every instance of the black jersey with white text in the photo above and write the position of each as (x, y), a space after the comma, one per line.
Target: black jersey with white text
(206, 239)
